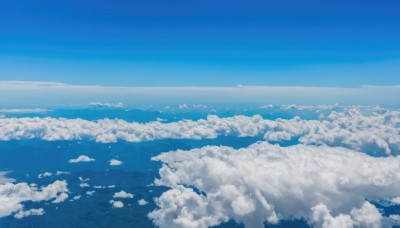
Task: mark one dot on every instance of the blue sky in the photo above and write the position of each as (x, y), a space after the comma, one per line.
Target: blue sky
(201, 43)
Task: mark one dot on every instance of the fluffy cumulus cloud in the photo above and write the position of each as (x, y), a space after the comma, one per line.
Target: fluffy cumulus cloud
(115, 162)
(21, 214)
(122, 194)
(396, 200)
(377, 131)
(142, 202)
(354, 128)
(4, 179)
(117, 204)
(81, 158)
(366, 216)
(328, 187)
(12, 197)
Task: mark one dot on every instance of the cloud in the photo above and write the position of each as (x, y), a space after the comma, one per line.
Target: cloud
(24, 111)
(107, 131)
(90, 193)
(58, 173)
(351, 128)
(183, 106)
(395, 219)
(366, 216)
(362, 130)
(76, 198)
(60, 198)
(83, 179)
(99, 186)
(46, 174)
(81, 158)
(33, 83)
(21, 214)
(122, 194)
(106, 105)
(117, 204)
(269, 183)
(200, 106)
(396, 200)
(4, 179)
(84, 185)
(115, 162)
(142, 202)
(12, 196)
(308, 107)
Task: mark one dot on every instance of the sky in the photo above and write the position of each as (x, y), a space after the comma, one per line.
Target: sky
(201, 43)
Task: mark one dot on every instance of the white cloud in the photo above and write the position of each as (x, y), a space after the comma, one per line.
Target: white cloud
(21, 213)
(122, 194)
(200, 106)
(115, 162)
(12, 196)
(106, 105)
(84, 185)
(81, 158)
(46, 174)
(142, 202)
(60, 198)
(395, 219)
(183, 106)
(265, 182)
(366, 216)
(267, 106)
(24, 110)
(76, 198)
(33, 83)
(106, 130)
(351, 128)
(395, 200)
(99, 186)
(117, 204)
(354, 128)
(58, 173)
(309, 107)
(90, 193)
(83, 179)
(4, 179)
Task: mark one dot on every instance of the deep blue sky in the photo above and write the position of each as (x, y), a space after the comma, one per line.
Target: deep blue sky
(201, 42)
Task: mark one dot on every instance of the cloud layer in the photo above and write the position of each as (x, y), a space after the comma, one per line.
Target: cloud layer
(352, 128)
(267, 183)
(370, 131)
